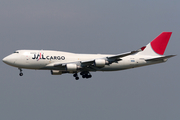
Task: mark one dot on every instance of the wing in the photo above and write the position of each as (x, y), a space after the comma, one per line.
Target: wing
(91, 63)
(118, 57)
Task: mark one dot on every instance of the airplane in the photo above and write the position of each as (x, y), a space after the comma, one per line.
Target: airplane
(59, 62)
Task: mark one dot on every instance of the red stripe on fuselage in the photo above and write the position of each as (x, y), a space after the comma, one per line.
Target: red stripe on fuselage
(39, 56)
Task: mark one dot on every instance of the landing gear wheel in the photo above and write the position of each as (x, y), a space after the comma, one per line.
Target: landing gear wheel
(83, 76)
(76, 76)
(90, 76)
(86, 74)
(20, 74)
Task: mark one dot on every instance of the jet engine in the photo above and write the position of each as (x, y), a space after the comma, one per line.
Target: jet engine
(71, 67)
(99, 62)
(56, 72)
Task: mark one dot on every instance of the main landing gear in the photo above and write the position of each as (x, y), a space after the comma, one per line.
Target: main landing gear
(84, 74)
(20, 74)
(76, 76)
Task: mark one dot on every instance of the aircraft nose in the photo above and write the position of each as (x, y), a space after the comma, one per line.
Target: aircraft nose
(5, 59)
(8, 60)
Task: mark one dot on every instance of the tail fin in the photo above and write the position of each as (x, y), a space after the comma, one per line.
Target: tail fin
(157, 46)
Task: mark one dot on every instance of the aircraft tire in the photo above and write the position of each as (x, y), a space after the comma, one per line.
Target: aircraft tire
(20, 74)
(75, 75)
(83, 76)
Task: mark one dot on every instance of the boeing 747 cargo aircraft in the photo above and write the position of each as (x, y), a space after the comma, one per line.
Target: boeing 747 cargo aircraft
(59, 62)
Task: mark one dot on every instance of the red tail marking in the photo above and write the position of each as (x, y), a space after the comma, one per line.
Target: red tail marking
(160, 42)
(143, 48)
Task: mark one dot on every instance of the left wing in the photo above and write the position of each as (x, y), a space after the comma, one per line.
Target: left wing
(88, 63)
(118, 57)
(110, 59)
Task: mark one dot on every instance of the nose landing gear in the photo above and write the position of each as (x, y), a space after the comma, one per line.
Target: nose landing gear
(20, 74)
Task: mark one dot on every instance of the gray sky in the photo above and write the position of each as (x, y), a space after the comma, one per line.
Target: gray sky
(96, 26)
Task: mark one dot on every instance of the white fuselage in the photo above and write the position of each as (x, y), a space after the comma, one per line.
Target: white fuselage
(45, 59)
(65, 62)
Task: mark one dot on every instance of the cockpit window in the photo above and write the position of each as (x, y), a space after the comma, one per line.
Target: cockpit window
(16, 52)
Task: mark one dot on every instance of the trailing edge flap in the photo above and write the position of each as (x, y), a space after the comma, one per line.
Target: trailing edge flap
(160, 58)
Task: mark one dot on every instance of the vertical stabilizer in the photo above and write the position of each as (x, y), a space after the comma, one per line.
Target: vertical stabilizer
(160, 42)
(157, 46)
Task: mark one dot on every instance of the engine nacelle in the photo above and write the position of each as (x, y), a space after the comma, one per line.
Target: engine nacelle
(99, 62)
(71, 67)
(56, 72)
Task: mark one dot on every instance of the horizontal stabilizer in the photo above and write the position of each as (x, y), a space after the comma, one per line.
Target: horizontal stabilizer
(160, 58)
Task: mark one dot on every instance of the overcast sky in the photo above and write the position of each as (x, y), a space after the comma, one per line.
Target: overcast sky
(94, 26)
